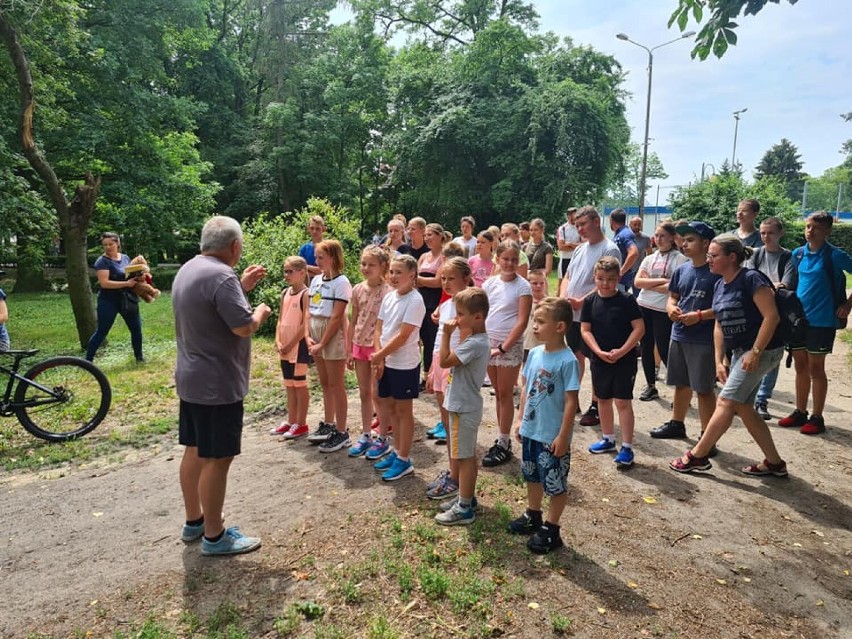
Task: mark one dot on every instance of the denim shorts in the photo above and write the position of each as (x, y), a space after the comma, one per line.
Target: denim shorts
(540, 466)
(742, 386)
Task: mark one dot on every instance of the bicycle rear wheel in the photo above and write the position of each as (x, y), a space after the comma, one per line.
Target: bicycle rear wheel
(77, 398)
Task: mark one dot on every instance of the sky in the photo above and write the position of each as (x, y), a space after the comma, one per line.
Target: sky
(791, 68)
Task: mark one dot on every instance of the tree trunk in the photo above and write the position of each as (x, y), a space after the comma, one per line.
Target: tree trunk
(30, 277)
(73, 219)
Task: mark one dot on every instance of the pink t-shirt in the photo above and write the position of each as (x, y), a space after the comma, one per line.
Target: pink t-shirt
(369, 300)
(480, 269)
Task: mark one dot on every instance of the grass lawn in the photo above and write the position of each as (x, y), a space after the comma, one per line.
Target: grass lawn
(144, 405)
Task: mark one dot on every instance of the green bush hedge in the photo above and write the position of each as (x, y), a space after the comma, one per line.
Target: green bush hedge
(841, 235)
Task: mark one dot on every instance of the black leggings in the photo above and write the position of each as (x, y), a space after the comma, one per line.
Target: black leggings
(658, 331)
(428, 333)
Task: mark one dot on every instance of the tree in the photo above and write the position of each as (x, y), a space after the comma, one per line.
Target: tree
(718, 31)
(783, 161)
(624, 190)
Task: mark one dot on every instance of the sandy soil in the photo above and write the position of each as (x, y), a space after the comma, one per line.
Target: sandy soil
(727, 555)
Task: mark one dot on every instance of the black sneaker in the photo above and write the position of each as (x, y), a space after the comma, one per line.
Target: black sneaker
(496, 455)
(525, 525)
(670, 430)
(649, 393)
(322, 432)
(335, 442)
(545, 540)
(590, 417)
(762, 410)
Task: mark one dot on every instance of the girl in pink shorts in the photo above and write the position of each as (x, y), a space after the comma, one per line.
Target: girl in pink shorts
(366, 299)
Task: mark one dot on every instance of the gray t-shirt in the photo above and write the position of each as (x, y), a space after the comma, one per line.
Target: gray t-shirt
(463, 394)
(581, 270)
(212, 362)
(770, 263)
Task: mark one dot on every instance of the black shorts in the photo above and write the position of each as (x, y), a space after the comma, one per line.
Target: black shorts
(215, 430)
(400, 384)
(818, 341)
(575, 339)
(614, 381)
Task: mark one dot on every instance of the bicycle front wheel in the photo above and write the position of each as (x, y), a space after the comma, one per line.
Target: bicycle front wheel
(62, 398)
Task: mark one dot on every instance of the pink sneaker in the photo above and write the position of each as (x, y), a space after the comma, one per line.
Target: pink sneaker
(281, 429)
(296, 431)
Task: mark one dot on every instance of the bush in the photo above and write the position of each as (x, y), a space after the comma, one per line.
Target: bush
(270, 240)
(841, 235)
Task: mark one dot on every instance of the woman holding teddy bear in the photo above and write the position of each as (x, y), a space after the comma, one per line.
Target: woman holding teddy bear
(115, 297)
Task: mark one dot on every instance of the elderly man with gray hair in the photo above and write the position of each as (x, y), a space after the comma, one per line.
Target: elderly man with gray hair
(213, 327)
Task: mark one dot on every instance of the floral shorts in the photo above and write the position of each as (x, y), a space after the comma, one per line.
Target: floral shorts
(512, 357)
(540, 466)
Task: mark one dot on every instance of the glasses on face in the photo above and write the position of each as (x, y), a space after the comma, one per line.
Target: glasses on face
(713, 256)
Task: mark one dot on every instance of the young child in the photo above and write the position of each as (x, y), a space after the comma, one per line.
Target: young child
(330, 292)
(482, 264)
(538, 284)
(367, 297)
(292, 346)
(611, 325)
(463, 401)
(510, 299)
(545, 426)
(455, 277)
(396, 363)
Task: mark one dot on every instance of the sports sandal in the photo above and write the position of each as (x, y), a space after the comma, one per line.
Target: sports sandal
(693, 463)
(765, 468)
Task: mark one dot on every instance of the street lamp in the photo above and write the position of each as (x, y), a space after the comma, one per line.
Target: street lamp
(643, 175)
(736, 126)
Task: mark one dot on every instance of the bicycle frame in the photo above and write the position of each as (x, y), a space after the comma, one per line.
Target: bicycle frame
(7, 407)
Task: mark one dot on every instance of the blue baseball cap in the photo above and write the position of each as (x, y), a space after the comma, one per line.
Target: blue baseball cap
(698, 228)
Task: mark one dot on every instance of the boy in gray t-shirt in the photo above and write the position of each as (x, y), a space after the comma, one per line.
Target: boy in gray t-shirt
(463, 398)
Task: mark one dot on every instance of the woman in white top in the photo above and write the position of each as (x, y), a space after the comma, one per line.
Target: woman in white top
(467, 238)
(510, 300)
(653, 280)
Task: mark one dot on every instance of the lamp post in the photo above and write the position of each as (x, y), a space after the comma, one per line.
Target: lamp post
(736, 126)
(644, 172)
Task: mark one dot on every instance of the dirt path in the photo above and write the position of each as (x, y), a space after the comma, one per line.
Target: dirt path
(722, 544)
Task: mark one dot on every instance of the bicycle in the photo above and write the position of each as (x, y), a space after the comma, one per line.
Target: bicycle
(58, 399)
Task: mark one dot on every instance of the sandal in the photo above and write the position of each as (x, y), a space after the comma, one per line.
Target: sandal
(692, 463)
(765, 468)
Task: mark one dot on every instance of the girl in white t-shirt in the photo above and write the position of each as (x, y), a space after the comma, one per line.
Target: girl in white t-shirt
(466, 239)
(367, 297)
(455, 277)
(652, 279)
(510, 300)
(397, 363)
(329, 294)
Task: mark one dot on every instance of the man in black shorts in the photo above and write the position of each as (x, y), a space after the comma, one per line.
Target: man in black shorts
(213, 327)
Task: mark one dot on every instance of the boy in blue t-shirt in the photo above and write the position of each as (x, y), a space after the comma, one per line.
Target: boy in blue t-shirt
(549, 400)
(817, 294)
(611, 326)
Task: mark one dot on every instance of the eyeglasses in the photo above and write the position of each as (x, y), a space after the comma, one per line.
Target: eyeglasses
(713, 256)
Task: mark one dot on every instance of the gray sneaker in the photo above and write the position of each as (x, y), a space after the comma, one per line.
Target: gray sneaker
(444, 506)
(456, 516)
(321, 433)
(335, 442)
(233, 542)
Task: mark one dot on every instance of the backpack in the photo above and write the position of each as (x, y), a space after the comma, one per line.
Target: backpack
(838, 291)
(793, 322)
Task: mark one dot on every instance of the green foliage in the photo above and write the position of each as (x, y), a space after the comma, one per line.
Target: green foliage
(714, 201)
(784, 162)
(269, 240)
(719, 30)
(625, 185)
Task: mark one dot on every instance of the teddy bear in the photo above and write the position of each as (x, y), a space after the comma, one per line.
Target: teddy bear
(138, 269)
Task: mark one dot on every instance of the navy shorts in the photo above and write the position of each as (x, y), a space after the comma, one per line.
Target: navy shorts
(540, 466)
(614, 381)
(400, 384)
(215, 430)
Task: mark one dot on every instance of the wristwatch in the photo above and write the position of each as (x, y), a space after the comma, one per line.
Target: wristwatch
(500, 348)
(756, 351)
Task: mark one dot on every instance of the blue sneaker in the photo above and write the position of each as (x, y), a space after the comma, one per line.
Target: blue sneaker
(444, 506)
(602, 446)
(233, 542)
(456, 516)
(386, 463)
(398, 470)
(361, 446)
(379, 448)
(192, 533)
(430, 434)
(440, 433)
(624, 457)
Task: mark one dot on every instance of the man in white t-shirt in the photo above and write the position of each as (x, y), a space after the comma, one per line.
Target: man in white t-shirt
(567, 239)
(579, 281)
